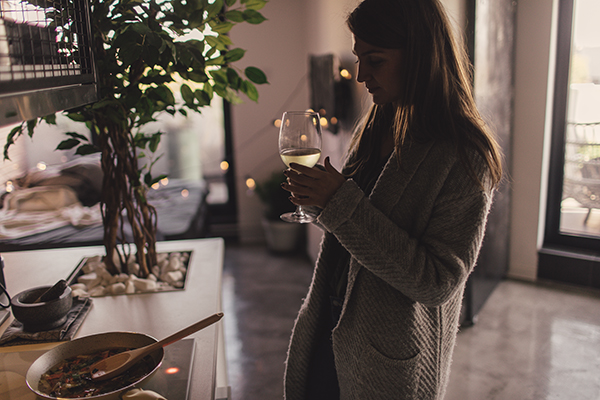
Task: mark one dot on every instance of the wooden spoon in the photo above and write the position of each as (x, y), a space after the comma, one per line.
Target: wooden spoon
(119, 363)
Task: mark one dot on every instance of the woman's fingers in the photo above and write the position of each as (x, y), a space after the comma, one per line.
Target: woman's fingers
(312, 186)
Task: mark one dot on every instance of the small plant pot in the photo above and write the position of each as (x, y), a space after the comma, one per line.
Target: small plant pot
(282, 237)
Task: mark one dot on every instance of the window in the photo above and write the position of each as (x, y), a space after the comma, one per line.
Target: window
(573, 209)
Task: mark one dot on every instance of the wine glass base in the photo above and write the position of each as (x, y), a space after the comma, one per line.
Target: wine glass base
(299, 218)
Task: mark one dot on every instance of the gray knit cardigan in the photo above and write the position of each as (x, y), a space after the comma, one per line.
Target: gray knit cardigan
(414, 241)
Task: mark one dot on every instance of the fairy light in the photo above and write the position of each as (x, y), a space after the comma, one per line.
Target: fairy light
(277, 123)
(164, 181)
(185, 193)
(250, 183)
(9, 186)
(224, 166)
(171, 371)
(41, 166)
(155, 185)
(324, 122)
(345, 74)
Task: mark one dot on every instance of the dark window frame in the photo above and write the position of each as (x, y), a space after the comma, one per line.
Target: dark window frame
(564, 257)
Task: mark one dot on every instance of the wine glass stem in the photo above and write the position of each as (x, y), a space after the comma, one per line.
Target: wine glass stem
(299, 212)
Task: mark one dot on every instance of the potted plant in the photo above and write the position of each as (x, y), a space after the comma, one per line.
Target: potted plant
(145, 50)
(281, 236)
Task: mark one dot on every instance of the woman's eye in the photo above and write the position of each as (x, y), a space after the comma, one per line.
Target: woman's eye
(375, 63)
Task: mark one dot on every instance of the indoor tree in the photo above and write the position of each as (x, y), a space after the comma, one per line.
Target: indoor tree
(145, 50)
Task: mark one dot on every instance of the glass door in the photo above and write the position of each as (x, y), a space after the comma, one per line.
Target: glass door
(573, 218)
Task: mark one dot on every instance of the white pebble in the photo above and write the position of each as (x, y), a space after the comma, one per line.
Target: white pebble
(117, 288)
(129, 287)
(97, 291)
(134, 269)
(172, 277)
(144, 285)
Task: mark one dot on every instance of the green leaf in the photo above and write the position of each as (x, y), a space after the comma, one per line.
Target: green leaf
(214, 41)
(249, 90)
(86, 149)
(222, 27)
(230, 2)
(235, 16)
(253, 17)
(50, 119)
(166, 94)
(254, 4)
(67, 144)
(234, 55)
(256, 75)
(209, 90)
(187, 94)
(219, 76)
(202, 97)
(216, 61)
(197, 76)
(233, 78)
(214, 8)
(196, 20)
(31, 124)
(154, 142)
(131, 96)
(76, 136)
(226, 40)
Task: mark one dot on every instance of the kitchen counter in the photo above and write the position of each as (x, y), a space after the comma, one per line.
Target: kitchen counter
(155, 314)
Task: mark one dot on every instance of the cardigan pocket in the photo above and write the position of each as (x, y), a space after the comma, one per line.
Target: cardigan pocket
(382, 377)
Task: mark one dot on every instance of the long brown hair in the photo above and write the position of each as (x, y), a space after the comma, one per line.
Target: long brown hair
(437, 101)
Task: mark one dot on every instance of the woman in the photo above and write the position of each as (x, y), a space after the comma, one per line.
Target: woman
(403, 223)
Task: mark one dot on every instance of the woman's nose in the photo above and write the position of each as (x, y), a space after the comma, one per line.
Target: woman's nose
(360, 75)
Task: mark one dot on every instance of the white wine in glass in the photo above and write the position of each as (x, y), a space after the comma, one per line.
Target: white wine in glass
(299, 142)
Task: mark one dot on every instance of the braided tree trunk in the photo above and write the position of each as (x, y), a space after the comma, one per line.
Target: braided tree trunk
(122, 191)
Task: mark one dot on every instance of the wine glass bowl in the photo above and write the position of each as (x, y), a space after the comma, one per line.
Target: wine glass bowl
(299, 142)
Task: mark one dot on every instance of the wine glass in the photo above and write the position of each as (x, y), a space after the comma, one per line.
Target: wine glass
(299, 142)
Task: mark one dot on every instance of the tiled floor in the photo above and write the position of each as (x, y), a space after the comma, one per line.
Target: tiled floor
(530, 342)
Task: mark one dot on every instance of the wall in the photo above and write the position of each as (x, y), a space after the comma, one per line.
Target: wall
(534, 75)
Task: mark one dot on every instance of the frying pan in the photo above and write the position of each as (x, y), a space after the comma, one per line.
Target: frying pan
(87, 345)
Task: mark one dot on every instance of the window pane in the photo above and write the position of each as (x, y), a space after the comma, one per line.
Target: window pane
(580, 207)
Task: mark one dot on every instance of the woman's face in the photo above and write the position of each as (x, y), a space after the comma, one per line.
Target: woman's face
(381, 71)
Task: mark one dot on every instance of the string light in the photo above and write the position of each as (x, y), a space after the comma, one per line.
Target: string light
(224, 165)
(250, 183)
(41, 166)
(164, 181)
(345, 74)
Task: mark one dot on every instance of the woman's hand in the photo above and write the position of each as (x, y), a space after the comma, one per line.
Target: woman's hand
(312, 186)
